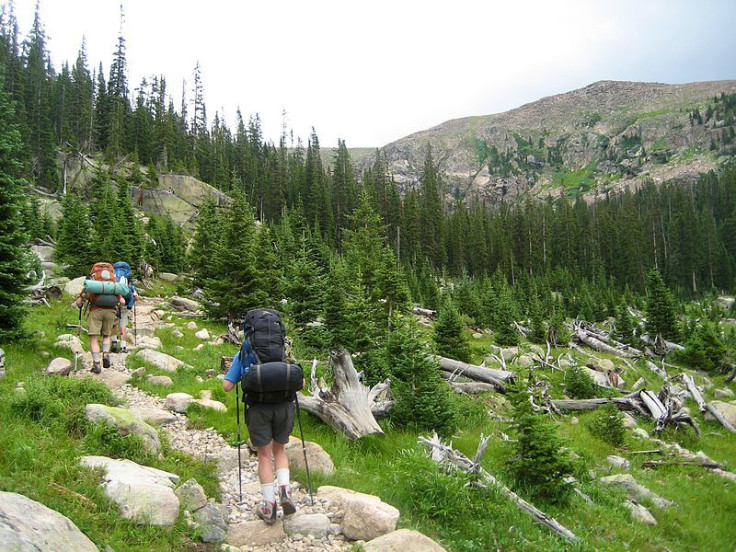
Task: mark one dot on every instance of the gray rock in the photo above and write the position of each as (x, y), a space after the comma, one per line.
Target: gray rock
(211, 404)
(177, 333)
(161, 360)
(59, 367)
(126, 422)
(153, 416)
(641, 433)
(29, 526)
(318, 525)
(319, 461)
(255, 533)
(724, 393)
(138, 372)
(726, 409)
(402, 540)
(191, 325)
(168, 276)
(149, 342)
(164, 381)
(74, 287)
(600, 364)
(640, 492)
(71, 342)
(178, 402)
(144, 495)
(367, 518)
(212, 522)
(183, 304)
(44, 253)
(640, 513)
(619, 462)
(202, 334)
(191, 495)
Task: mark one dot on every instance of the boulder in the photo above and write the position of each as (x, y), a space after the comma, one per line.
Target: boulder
(726, 302)
(152, 415)
(183, 304)
(29, 526)
(724, 393)
(600, 364)
(144, 495)
(638, 491)
(148, 342)
(164, 381)
(114, 379)
(191, 325)
(525, 361)
(318, 525)
(126, 422)
(178, 402)
(212, 405)
(161, 360)
(168, 276)
(255, 533)
(202, 334)
(402, 540)
(366, 518)
(59, 367)
(618, 462)
(319, 461)
(71, 342)
(191, 495)
(74, 287)
(44, 253)
(640, 513)
(212, 522)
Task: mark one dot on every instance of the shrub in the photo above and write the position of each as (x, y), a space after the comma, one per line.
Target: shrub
(578, 384)
(607, 425)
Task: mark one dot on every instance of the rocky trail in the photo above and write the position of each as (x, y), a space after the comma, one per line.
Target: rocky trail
(314, 527)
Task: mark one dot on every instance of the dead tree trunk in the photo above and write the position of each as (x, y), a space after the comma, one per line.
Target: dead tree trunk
(442, 453)
(457, 369)
(703, 406)
(597, 344)
(348, 406)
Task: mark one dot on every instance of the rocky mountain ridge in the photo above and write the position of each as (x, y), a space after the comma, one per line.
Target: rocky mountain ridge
(601, 137)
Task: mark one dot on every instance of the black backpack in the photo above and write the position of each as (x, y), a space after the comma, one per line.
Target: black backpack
(270, 379)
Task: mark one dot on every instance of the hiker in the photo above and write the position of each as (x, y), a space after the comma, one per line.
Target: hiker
(102, 313)
(123, 275)
(270, 421)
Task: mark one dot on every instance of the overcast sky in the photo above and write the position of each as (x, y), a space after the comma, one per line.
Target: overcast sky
(372, 72)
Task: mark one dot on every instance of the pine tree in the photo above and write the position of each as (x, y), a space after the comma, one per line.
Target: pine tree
(624, 328)
(75, 237)
(422, 398)
(232, 290)
(536, 462)
(206, 237)
(448, 334)
(12, 237)
(660, 310)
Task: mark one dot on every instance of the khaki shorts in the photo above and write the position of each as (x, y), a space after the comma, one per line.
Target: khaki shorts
(124, 313)
(101, 321)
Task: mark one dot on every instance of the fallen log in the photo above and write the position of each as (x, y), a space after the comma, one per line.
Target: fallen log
(702, 405)
(425, 312)
(660, 463)
(443, 454)
(348, 405)
(587, 338)
(497, 378)
(469, 387)
(622, 403)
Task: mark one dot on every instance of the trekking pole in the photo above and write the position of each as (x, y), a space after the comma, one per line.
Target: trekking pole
(135, 329)
(79, 330)
(304, 449)
(237, 413)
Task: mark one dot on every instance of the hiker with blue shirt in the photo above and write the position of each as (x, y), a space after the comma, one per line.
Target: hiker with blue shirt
(269, 421)
(123, 275)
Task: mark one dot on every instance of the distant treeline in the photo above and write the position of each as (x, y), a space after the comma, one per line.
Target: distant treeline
(685, 231)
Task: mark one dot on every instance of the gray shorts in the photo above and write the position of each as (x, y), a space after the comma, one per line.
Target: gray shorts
(268, 421)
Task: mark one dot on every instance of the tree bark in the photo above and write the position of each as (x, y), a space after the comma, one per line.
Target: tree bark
(703, 406)
(348, 406)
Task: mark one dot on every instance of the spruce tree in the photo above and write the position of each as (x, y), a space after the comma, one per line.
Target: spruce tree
(12, 237)
(75, 236)
(422, 398)
(206, 237)
(624, 329)
(660, 310)
(448, 334)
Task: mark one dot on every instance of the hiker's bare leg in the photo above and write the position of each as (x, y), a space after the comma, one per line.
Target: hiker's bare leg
(94, 344)
(280, 460)
(265, 472)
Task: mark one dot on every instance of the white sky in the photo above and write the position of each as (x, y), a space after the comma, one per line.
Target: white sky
(373, 72)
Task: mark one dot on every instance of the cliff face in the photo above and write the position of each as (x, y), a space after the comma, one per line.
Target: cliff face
(605, 136)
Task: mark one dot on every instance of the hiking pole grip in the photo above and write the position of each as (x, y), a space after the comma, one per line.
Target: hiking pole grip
(304, 448)
(237, 413)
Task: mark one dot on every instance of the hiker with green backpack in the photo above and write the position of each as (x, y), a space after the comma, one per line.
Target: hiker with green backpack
(269, 386)
(103, 294)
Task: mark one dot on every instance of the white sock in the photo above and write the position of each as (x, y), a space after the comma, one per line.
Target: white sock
(122, 343)
(96, 357)
(268, 493)
(105, 348)
(282, 475)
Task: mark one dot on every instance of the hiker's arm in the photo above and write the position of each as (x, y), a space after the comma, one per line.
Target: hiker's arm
(79, 301)
(233, 374)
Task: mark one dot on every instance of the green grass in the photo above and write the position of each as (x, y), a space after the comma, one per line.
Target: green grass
(41, 446)
(45, 433)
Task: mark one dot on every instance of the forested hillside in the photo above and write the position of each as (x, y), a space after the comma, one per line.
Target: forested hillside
(562, 293)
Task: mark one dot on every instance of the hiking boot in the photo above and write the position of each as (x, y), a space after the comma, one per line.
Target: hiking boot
(106, 361)
(114, 347)
(96, 369)
(286, 502)
(124, 349)
(267, 512)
